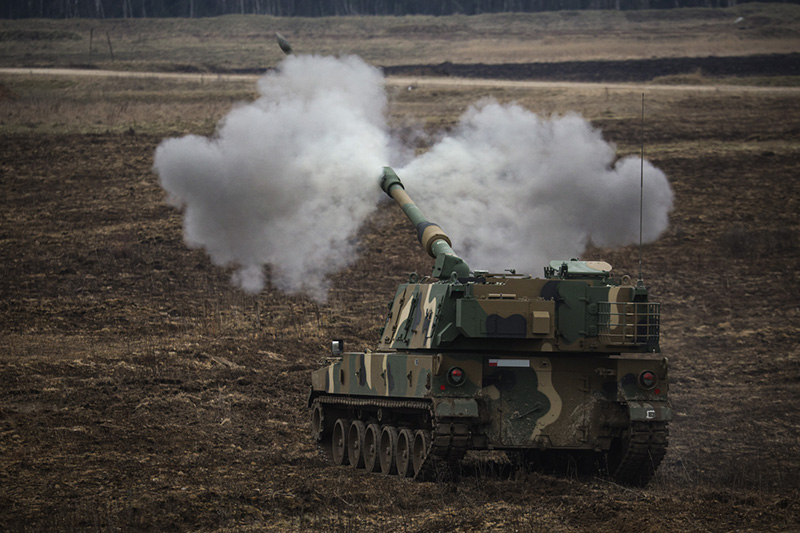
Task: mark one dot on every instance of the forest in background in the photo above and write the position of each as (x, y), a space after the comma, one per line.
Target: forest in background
(15, 9)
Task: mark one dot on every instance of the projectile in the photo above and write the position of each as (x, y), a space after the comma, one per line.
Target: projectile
(283, 43)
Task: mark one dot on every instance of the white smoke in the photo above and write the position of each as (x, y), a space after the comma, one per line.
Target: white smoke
(287, 180)
(516, 191)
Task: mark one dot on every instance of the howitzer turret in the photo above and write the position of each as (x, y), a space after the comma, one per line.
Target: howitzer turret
(480, 361)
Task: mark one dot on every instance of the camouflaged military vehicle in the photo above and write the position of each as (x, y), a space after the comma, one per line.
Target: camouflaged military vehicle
(479, 361)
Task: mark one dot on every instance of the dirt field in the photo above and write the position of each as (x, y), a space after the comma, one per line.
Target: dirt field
(141, 391)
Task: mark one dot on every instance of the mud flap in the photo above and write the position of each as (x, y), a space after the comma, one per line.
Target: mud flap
(649, 411)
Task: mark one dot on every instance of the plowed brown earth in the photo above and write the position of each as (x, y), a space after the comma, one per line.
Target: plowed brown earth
(140, 391)
(636, 70)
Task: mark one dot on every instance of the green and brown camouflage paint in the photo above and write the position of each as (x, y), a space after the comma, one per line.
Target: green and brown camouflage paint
(539, 360)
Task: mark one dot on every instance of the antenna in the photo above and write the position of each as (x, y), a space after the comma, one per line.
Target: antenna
(640, 283)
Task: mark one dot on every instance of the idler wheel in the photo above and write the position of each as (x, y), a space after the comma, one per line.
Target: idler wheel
(387, 450)
(405, 443)
(339, 444)
(355, 444)
(419, 452)
(372, 438)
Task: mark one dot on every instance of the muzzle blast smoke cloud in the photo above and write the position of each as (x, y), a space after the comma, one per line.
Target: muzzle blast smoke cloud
(287, 180)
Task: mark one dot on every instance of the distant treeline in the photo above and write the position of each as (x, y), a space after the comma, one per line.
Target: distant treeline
(320, 8)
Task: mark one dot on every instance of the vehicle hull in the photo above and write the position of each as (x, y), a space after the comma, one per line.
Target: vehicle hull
(513, 402)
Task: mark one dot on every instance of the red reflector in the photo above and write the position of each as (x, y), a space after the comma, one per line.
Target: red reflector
(441, 387)
(657, 391)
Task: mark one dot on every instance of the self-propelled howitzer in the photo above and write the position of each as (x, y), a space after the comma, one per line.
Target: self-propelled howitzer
(470, 360)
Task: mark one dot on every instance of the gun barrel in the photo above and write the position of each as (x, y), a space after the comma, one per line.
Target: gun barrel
(430, 235)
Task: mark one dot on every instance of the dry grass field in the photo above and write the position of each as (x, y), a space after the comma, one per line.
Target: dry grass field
(247, 42)
(141, 391)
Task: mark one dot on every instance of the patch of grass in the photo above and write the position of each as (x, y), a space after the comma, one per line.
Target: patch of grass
(771, 81)
(97, 105)
(699, 78)
(39, 35)
(742, 242)
(694, 78)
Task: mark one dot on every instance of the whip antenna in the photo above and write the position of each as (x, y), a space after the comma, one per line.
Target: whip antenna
(640, 283)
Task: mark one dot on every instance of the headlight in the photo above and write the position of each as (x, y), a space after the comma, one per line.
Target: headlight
(456, 376)
(648, 379)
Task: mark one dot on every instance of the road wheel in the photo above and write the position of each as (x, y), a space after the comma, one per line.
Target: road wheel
(355, 444)
(419, 451)
(387, 450)
(405, 442)
(339, 443)
(372, 437)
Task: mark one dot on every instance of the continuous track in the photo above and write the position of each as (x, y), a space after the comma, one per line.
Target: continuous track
(446, 440)
(646, 447)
